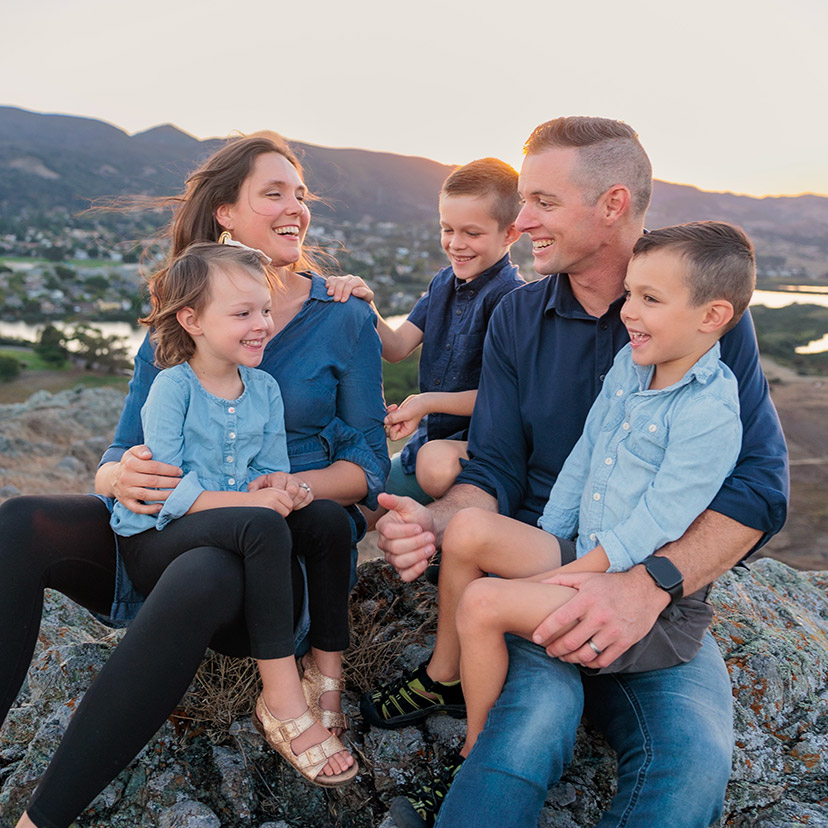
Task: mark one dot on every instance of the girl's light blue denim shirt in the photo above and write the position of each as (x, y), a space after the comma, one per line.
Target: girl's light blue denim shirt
(648, 461)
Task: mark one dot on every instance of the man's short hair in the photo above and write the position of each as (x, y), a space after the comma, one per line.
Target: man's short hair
(721, 263)
(609, 153)
(488, 177)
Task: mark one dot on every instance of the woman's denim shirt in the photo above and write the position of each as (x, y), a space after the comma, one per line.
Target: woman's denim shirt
(221, 445)
(649, 462)
(327, 361)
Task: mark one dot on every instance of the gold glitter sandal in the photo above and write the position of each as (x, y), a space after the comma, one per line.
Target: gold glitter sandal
(279, 733)
(314, 684)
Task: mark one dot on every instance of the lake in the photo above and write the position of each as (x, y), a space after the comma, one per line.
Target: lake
(801, 295)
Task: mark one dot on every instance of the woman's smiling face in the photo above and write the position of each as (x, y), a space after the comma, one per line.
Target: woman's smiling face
(270, 213)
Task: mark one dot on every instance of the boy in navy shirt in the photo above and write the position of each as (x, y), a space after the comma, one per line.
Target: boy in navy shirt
(478, 206)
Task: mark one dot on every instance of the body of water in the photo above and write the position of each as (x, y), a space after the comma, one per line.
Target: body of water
(770, 298)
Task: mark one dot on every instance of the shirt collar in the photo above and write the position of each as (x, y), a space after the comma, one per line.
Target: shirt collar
(485, 276)
(318, 289)
(702, 370)
(563, 302)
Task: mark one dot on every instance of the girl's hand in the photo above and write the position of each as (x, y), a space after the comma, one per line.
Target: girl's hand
(137, 478)
(402, 420)
(300, 492)
(341, 287)
(268, 498)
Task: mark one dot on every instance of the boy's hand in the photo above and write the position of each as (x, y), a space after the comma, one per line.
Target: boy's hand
(299, 491)
(341, 287)
(268, 498)
(406, 535)
(402, 420)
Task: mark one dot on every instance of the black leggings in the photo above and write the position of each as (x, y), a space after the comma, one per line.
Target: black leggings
(262, 538)
(65, 543)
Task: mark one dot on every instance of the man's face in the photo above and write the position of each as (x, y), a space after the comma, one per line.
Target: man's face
(565, 230)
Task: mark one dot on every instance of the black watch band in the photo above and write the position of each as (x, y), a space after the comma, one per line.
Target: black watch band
(666, 576)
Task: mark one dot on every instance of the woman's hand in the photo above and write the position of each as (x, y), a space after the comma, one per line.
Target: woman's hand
(402, 420)
(341, 287)
(270, 498)
(137, 478)
(298, 490)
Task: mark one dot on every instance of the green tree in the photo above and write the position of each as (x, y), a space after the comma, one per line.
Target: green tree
(9, 368)
(99, 352)
(50, 347)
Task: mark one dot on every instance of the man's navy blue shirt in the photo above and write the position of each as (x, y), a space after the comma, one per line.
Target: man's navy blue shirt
(454, 316)
(543, 364)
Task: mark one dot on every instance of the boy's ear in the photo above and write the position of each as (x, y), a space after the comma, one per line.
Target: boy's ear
(615, 202)
(512, 234)
(188, 319)
(719, 312)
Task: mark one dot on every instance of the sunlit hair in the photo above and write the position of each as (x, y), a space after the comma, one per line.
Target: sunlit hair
(186, 284)
(488, 177)
(609, 153)
(719, 257)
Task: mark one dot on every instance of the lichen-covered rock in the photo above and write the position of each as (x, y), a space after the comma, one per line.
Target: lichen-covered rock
(771, 624)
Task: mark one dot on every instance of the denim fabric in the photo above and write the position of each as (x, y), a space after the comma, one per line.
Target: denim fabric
(671, 729)
(221, 445)
(544, 362)
(649, 461)
(328, 366)
(454, 316)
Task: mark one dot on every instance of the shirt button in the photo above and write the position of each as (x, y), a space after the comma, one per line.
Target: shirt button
(593, 536)
(229, 458)
(231, 481)
(448, 347)
(436, 382)
(619, 392)
(625, 426)
(601, 377)
(604, 326)
(232, 435)
(652, 427)
(608, 461)
(231, 410)
(596, 496)
(459, 311)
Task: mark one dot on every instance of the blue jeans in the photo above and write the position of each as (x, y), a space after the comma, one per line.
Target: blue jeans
(671, 729)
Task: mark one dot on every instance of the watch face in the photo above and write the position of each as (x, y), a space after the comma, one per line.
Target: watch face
(664, 573)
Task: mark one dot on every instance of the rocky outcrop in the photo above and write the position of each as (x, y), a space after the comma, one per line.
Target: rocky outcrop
(771, 624)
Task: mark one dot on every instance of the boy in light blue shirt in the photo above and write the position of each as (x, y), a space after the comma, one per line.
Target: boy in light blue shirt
(658, 443)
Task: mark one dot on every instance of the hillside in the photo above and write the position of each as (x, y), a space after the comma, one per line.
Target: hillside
(57, 163)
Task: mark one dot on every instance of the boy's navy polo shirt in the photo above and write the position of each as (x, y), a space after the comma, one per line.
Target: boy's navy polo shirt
(454, 316)
(544, 363)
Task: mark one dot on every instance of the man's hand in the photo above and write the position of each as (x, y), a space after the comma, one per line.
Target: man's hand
(613, 610)
(298, 491)
(402, 420)
(137, 478)
(406, 535)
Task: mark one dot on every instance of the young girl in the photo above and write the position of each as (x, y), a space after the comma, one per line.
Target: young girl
(222, 422)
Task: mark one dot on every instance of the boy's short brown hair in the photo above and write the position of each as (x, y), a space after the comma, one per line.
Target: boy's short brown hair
(488, 177)
(721, 263)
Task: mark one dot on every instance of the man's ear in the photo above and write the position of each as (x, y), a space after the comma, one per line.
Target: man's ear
(615, 202)
(719, 312)
(188, 319)
(512, 234)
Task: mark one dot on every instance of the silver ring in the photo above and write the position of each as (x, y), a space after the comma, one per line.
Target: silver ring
(305, 487)
(594, 646)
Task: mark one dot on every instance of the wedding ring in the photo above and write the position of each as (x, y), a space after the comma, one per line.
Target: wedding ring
(594, 646)
(305, 487)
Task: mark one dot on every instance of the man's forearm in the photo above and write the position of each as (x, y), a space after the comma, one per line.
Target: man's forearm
(713, 544)
(461, 496)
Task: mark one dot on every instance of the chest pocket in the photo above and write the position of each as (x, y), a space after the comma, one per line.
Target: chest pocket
(648, 440)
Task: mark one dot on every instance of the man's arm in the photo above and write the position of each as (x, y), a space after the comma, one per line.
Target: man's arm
(616, 610)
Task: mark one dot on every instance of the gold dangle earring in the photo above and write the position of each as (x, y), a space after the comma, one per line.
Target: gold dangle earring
(225, 238)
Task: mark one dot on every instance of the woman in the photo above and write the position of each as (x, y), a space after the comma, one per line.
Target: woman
(326, 358)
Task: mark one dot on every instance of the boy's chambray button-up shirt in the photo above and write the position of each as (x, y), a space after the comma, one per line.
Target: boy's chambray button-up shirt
(648, 461)
(454, 316)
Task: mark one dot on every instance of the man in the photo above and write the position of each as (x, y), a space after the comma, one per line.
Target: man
(586, 185)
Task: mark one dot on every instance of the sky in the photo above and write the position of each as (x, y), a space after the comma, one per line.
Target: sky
(726, 95)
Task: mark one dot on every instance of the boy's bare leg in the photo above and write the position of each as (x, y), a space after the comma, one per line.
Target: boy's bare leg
(490, 608)
(438, 464)
(476, 543)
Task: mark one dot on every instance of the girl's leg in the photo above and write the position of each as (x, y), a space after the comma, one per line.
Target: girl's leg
(489, 609)
(475, 544)
(60, 542)
(438, 464)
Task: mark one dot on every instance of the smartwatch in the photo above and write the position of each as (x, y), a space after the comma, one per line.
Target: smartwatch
(666, 576)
